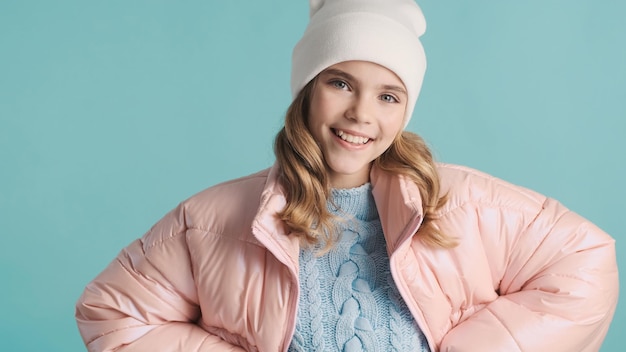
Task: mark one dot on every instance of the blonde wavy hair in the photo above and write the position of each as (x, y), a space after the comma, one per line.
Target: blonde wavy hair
(307, 188)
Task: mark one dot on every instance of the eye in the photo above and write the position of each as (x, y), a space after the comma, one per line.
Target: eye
(388, 98)
(339, 84)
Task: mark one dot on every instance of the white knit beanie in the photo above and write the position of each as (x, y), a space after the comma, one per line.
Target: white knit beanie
(385, 32)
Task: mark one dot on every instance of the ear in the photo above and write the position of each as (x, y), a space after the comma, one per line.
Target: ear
(314, 6)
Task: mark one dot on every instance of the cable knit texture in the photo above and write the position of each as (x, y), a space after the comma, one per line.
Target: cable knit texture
(348, 300)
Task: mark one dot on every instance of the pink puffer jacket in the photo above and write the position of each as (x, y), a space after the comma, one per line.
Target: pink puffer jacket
(219, 272)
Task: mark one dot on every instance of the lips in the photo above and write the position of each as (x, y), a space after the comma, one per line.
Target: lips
(350, 138)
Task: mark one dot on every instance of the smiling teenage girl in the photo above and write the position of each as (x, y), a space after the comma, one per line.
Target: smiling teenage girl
(355, 240)
(357, 110)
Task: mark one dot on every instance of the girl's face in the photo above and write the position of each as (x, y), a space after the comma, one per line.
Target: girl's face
(357, 110)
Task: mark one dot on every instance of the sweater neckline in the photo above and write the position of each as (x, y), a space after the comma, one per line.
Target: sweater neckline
(357, 202)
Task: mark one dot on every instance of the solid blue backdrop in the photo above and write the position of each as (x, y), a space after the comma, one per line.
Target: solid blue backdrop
(112, 112)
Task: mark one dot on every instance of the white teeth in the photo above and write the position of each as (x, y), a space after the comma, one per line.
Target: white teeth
(350, 138)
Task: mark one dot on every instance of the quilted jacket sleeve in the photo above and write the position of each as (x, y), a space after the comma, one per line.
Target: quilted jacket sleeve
(558, 291)
(145, 299)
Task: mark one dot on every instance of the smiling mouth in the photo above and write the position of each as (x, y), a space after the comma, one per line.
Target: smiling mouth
(359, 140)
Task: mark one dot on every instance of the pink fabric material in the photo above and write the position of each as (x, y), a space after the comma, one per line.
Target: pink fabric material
(220, 272)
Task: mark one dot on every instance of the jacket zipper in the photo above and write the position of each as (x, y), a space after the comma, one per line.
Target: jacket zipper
(400, 282)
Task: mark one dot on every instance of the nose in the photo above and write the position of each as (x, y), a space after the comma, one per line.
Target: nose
(359, 110)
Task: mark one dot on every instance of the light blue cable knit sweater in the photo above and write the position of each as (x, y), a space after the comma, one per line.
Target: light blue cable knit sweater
(348, 300)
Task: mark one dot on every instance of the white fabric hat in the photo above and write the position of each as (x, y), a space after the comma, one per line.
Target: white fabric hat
(385, 32)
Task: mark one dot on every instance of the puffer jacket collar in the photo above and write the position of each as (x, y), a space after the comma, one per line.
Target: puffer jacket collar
(400, 216)
(271, 231)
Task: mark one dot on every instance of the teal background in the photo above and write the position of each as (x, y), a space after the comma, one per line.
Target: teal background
(111, 112)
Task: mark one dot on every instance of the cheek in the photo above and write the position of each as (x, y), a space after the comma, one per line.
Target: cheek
(314, 122)
(311, 119)
(315, 111)
(324, 106)
(400, 120)
(400, 125)
(393, 126)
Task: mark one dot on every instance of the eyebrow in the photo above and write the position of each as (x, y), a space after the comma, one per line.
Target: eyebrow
(349, 77)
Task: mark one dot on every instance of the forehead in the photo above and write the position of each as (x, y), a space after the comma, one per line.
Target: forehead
(365, 69)
(366, 73)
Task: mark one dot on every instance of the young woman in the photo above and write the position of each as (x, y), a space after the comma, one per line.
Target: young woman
(356, 240)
